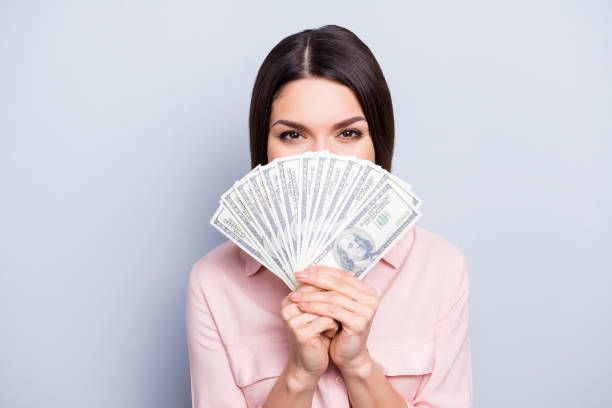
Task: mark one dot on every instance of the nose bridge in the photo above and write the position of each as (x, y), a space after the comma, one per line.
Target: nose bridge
(321, 142)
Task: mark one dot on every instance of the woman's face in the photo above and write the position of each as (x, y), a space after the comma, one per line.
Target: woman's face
(318, 114)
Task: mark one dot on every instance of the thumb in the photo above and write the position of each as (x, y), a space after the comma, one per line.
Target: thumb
(330, 333)
(323, 325)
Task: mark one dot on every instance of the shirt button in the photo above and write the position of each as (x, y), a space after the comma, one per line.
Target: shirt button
(338, 380)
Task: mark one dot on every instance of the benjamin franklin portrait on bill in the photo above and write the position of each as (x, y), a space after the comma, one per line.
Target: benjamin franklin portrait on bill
(354, 250)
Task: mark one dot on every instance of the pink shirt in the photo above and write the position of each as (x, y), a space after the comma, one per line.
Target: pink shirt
(419, 336)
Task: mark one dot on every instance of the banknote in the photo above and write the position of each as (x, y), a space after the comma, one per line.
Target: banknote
(290, 185)
(317, 208)
(368, 234)
(228, 224)
(271, 184)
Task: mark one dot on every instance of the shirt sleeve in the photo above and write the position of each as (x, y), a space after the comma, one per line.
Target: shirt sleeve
(450, 383)
(212, 382)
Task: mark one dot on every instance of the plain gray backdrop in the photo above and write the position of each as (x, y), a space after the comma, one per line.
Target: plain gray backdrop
(121, 123)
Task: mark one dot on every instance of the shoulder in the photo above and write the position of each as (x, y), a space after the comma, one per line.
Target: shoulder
(433, 247)
(442, 260)
(225, 261)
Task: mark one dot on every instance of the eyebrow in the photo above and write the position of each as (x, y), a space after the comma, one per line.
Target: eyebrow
(303, 128)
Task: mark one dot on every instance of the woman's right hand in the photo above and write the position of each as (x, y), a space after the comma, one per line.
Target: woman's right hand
(309, 337)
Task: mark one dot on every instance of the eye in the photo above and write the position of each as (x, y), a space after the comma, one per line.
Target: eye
(350, 134)
(290, 135)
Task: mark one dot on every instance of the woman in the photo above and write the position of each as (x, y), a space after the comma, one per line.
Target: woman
(403, 337)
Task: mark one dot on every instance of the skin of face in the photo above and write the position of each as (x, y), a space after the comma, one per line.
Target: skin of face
(304, 115)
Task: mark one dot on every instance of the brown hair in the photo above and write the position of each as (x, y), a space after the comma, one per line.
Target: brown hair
(335, 53)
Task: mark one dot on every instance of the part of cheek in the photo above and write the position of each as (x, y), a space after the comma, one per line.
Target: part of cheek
(362, 149)
(274, 148)
(278, 148)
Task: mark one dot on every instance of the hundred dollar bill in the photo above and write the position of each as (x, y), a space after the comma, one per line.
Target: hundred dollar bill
(351, 193)
(290, 185)
(234, 203)
(269, 174)
(250, 201)
(370, 181)
(384, 174)
(288, 213)
(343, 192)
(308, 167)
(321, 172)
(224, 221)
(265, 205)
(264, 202)
(369, 234)
(329, 183)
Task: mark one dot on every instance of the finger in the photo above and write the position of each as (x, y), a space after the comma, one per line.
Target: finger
(349, 320)
(320, 277)
(304, 287)
(321, 324)
(286, 300)
(290, 311)
(299, 321)
(352, 279)
(333, 297)
(331, 333)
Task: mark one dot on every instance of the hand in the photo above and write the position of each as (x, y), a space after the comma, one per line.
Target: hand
(346, 299)
(309, 337)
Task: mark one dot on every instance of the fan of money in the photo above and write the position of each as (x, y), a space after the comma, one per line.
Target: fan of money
(317, 208)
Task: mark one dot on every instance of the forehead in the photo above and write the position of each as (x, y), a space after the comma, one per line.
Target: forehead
(315, 101)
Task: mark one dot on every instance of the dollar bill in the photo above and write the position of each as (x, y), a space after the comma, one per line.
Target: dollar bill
(317, 207)
(270, 176)
(224, 221)
(290, 185)
(254, 205)
(369, 234)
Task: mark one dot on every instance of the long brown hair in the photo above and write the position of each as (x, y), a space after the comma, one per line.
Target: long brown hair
(331, 52)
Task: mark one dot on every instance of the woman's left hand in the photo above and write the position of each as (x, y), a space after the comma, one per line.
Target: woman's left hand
(346, 299)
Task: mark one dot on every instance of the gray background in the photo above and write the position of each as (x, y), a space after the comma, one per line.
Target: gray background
(121, 123)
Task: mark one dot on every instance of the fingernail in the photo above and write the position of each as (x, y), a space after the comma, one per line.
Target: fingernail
(295, 295)
(311, 268)
(303, 305)
(301, 275)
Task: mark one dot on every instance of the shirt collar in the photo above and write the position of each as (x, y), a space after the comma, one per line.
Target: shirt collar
(393, 257)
